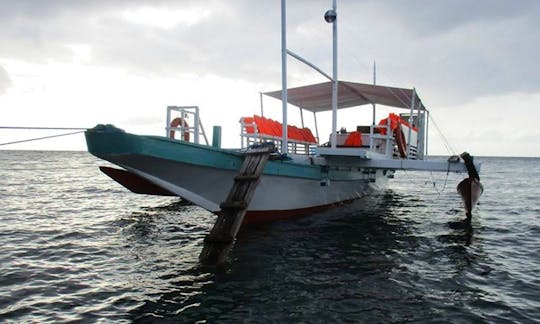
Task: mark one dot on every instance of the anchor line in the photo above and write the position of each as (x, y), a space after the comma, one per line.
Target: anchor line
(40, 138)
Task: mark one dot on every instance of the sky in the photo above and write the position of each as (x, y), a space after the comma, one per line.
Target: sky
(78, 63)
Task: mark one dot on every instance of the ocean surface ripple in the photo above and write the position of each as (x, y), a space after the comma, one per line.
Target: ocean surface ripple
(76, 246)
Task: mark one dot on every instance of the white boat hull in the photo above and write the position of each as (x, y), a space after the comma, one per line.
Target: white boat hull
(204, 175)
(275, 196)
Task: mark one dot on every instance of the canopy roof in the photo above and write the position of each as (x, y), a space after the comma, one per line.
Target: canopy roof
(318, 97)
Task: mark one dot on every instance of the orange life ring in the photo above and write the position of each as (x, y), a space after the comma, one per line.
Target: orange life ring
(177, 122)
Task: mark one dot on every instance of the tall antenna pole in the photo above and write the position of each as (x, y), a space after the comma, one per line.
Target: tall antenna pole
(284, 144)
(331, 17)
(262, 106)
(374, 73)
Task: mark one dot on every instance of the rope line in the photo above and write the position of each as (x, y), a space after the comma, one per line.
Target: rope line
(49, 128)
(434, 183)
(446, 143)
(40, 138)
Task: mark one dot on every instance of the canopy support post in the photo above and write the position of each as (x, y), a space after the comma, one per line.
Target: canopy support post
(284, 144)
(413, 101)
(427, 135)
(316, 126)
(374, 83)
(418, 122)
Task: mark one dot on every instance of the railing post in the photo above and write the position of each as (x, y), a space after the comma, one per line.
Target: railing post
(413, 101)
(371, 129)
(389, 144)
(196, 125)
(168, 121)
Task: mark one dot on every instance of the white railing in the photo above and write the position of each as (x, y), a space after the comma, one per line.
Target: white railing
(256, 137)
(386, 144)
(186, 114)
(380, 143)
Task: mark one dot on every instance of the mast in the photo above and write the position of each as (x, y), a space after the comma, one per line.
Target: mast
(261, 100)
(331, 17)
(284, 143)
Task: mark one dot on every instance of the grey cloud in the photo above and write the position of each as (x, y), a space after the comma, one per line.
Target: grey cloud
(425, 17)
(457, 49)
(38, 32)
(467, 54)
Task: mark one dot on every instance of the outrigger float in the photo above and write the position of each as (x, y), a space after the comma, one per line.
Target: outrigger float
(300, 172)
(470, 189)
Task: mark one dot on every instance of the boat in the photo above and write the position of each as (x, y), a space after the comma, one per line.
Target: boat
(306, 171)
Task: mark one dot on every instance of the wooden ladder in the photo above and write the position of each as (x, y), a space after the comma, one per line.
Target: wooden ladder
(219, 241)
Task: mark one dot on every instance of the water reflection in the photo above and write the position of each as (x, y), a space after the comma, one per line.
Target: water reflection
(339, 265)
(378, 259)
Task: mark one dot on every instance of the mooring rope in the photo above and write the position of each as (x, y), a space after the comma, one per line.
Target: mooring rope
(43, 128)
(81, 130)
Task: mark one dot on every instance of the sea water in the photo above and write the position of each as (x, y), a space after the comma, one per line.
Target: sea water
(76, 246)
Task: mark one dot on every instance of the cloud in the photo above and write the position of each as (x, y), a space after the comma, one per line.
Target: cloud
(164, 18)
(5, 81)
(455, 51)
(425, 17)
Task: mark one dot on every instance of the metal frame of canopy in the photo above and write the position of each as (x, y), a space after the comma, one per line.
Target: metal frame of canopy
(318, 98)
